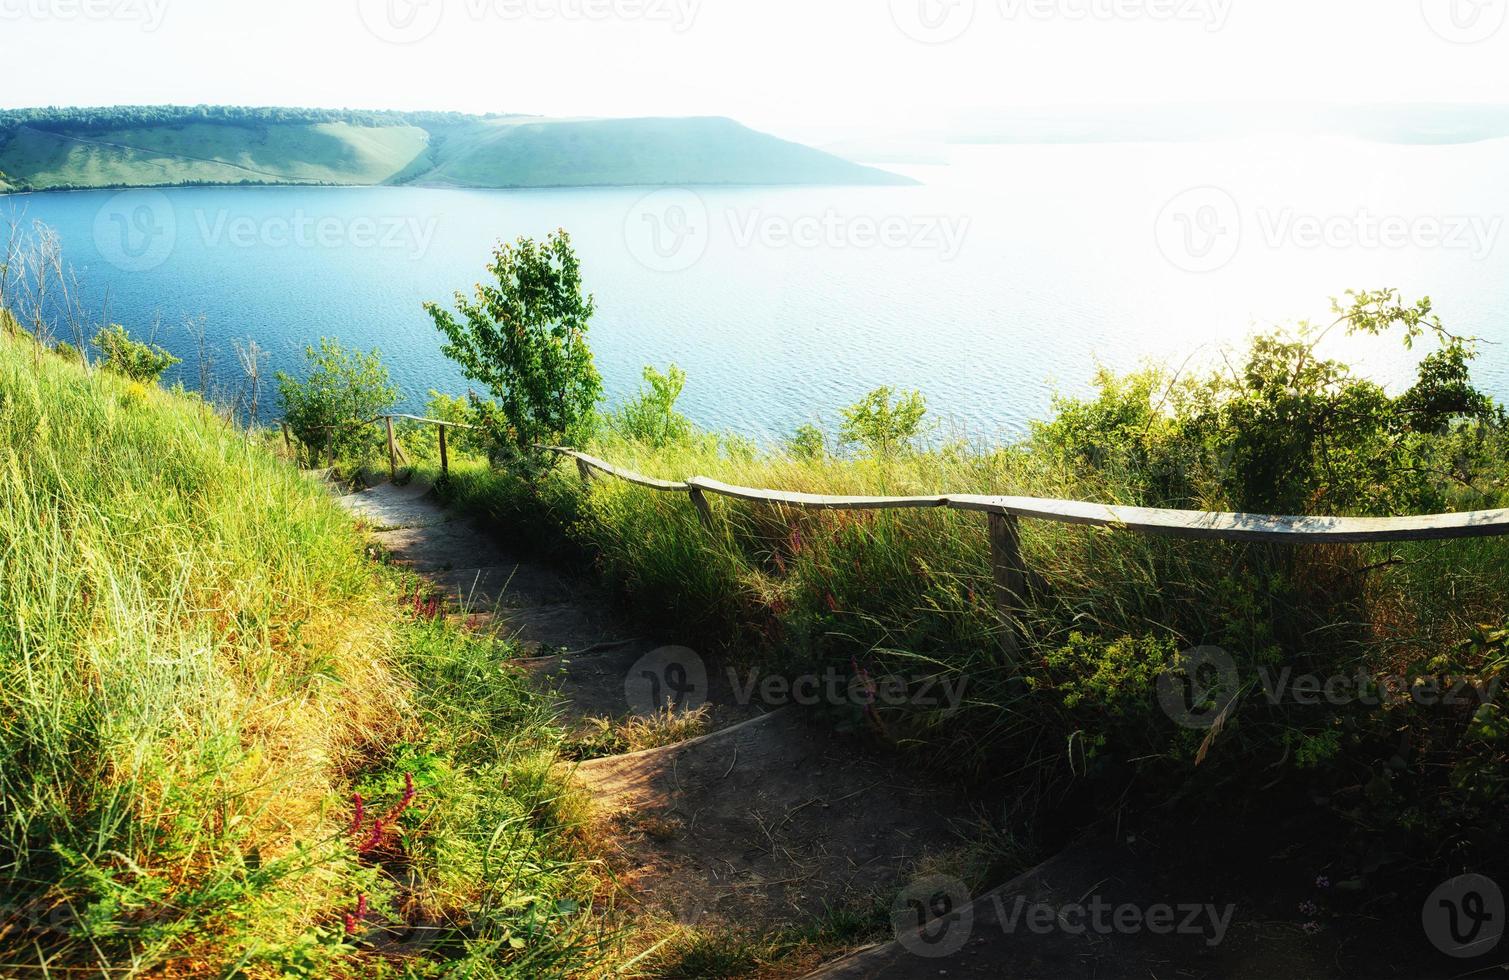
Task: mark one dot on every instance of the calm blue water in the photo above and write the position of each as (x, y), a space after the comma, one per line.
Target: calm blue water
(1010, 274)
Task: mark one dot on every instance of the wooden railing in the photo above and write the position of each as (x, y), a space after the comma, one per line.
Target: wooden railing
(1005, 513)
(394, 449)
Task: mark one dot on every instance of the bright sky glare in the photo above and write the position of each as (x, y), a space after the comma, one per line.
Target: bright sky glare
(797, 67)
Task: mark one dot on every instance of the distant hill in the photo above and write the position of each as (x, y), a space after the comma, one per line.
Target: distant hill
(154, 146)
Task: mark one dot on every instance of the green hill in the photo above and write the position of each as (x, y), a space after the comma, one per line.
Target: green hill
(55, 149)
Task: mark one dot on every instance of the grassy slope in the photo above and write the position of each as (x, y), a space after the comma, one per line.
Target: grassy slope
(198, 666)
(146, 156)
(481, 153)
(545, 153)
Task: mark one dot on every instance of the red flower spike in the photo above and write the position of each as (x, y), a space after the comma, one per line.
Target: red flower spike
(374, 839)
(355, 919)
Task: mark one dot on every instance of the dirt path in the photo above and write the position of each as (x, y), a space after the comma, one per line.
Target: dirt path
(774, 820)
(765, 822)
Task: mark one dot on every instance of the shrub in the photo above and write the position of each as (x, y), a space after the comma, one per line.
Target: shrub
(651, 418)
(525, 338)
(131, 358)
(1303, 433)
(343, 388)
(807, 443)
(881, 426)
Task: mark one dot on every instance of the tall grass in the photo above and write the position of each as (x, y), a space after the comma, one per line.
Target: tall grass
(910, 593)
(198, 667)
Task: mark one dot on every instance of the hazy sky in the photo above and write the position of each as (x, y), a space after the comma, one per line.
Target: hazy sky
(792, 66)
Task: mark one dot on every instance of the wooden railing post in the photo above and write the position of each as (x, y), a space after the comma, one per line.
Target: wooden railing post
(287, 440)
(392, 450)
(1010, 577)
(445, 458)
(704, 509)
(584, 471)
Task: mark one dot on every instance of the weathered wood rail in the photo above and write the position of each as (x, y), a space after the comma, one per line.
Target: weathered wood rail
(394, 450)
(1004, 516)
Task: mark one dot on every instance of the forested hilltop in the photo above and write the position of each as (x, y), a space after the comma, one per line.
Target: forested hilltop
(159, 146)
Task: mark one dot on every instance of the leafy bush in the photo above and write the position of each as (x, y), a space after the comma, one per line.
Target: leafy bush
(343, 390)
(448, 408)
(651, 418)
(131, 358)
(1303, 433)
(881, 426)
(807, 443)
(525, 338)
(1289, 431)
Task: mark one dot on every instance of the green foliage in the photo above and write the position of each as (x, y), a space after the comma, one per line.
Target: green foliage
(130, 358)
(1290, 431)
(525, 338)
(449, 408)
(1303, 433)
(881, 426)
(331, 408)
(1125, 430)
(910, 593)
(1114, 676)
(807, 443)
(651, 418)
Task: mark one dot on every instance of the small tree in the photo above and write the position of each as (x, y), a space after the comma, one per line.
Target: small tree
(343, 387)
(807, 443)
(524, 336)
(881, 426)
(651, 418)
(131, 358)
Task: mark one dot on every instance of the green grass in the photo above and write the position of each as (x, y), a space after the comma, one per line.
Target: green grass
(198, 668)
(1075, 727)
(146, 156)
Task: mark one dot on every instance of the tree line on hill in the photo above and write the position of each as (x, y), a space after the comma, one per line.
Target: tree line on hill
(76, 119)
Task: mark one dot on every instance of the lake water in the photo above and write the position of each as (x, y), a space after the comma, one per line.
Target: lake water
(1008, 275)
